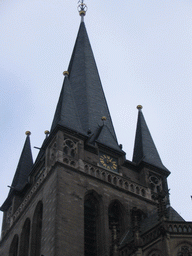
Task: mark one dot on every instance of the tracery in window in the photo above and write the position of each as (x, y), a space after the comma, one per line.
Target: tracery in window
(184, 251)
(69, 147)
(155, 183)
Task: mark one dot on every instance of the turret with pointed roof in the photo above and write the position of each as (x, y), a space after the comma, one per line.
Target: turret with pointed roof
(23, 170)
(144, 148)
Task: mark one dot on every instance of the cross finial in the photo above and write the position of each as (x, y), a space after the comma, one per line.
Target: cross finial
(82, 8)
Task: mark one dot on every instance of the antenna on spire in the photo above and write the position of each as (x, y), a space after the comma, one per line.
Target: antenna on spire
(82, 9)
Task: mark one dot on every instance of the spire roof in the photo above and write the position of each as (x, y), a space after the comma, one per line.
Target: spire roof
(24, 166)
(145, 149)
(66, 112)
(82, 102)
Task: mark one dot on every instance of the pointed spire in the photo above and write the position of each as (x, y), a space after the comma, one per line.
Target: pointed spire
(145, 149)
(82, 102)
(24, 166)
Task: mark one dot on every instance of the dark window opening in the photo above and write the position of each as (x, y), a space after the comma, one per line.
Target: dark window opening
(115, 225)
(90, 226)
(37, 230)
(24, 245)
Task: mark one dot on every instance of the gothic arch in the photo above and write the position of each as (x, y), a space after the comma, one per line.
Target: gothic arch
(37, 230)
(92, 224)
(13, 251)
(184, 249)
(24, 241)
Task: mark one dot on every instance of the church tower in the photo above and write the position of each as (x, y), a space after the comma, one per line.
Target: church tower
(82, 196)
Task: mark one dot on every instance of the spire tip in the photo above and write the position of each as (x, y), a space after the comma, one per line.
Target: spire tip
(82, 8)
(139, 107)
(46, 133)
(103, 118)
(65, 73)
(28, 133)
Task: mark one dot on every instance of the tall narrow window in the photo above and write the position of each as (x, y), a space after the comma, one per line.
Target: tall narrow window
(24, 244)
(37, 230)
(91, 226)
(115, 216)
(13, 251)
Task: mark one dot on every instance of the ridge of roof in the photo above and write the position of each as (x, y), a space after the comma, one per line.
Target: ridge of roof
(144, 148)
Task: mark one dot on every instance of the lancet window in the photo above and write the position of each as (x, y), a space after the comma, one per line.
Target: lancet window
(37, 230)
(24, 243)
(91, 225)
(115, 216)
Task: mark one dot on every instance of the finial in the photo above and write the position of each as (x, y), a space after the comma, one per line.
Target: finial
(103, 118)
(66, 73)
(82, 9)
(46, 133)
(139, 107)
(28, 133)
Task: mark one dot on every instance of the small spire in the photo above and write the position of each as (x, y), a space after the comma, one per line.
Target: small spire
(144, 148)
(82, 9)
(24, 166)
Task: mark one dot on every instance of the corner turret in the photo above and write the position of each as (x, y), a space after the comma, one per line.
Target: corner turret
(144, 148)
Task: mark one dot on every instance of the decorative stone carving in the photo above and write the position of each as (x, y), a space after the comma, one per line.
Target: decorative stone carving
(69, 147)
(185, 251)
(155, 183)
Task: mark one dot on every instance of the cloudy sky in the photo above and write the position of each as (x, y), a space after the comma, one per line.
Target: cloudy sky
(143, 50)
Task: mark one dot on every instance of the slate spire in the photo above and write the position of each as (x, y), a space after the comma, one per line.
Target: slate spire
(66, 112)
(82, 102)
(145, 149)
(24, 166)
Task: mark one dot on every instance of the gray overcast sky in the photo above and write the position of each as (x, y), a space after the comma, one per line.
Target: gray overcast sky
(143, 50)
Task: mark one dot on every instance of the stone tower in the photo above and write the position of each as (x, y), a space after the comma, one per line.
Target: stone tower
(81, 196)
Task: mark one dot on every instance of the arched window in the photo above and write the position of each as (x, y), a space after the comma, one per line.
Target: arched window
(13, 251)
(91, 225)
(116, 224)
(24, 244)
(37, 230)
